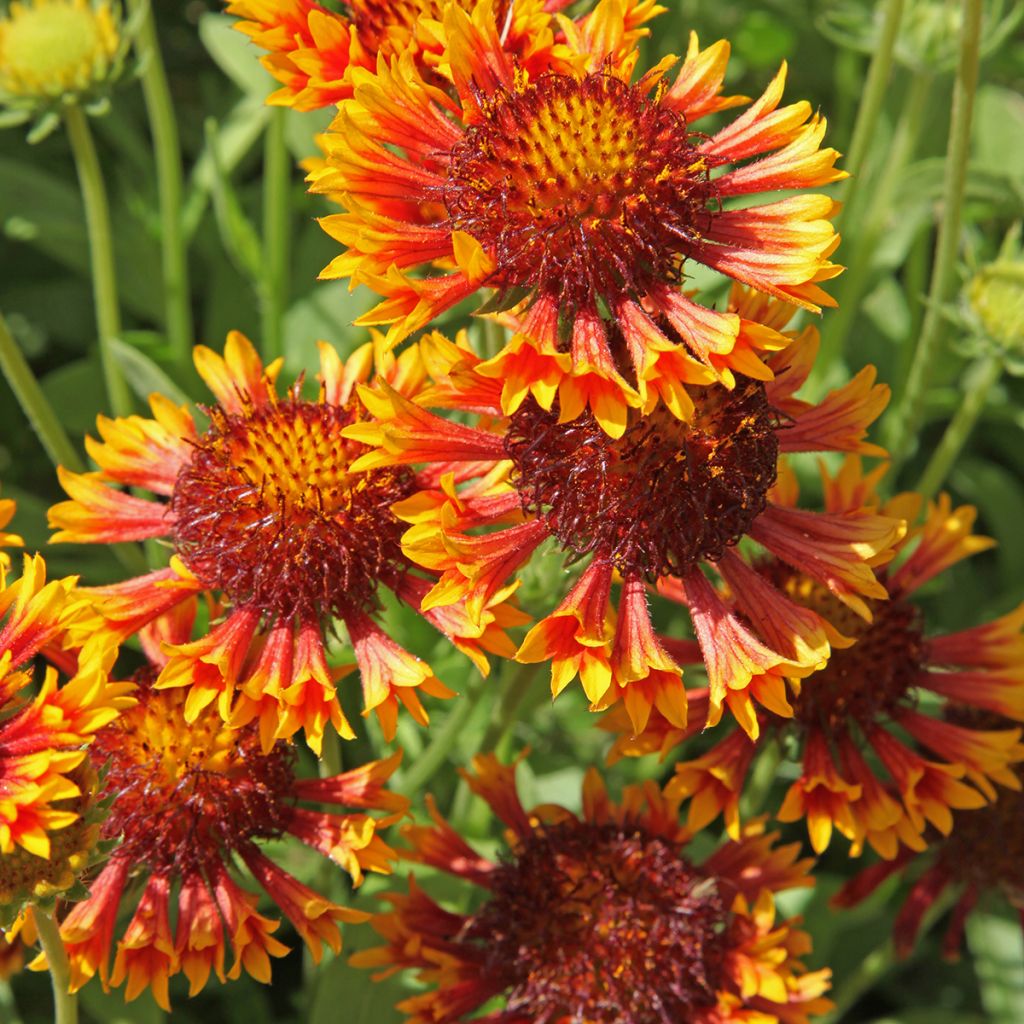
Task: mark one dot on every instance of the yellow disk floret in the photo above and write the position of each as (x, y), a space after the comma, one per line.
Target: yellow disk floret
(49, 48)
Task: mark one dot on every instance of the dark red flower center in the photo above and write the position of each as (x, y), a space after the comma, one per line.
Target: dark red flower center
(600, 924)
(267, 512)
(580, 188)
(877, 674)
(661, 498)
(185, 793)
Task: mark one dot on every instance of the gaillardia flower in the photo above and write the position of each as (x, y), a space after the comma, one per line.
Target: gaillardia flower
(981, 858)
(578, 194)
(189, 802)
(263, 508)
(600, 917)
(313, 51)
(47, 810)
(885, 729)
(650, 507)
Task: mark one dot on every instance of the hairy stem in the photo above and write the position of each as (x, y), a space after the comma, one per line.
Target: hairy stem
(982, 377)
(101, 253)
(167, 153)
(65, 1004)
(904, 424)
(277, 172)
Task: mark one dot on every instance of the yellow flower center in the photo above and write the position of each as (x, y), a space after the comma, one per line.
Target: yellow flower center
(580, 188)
(184, 791)
(267, 511)
(55, 47)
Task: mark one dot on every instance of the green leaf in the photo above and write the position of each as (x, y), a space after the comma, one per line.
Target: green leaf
(49, 213)
(997, 946)
(997, 143)
(240, 239)
(144, 374)
(226, 145)
(234, 54)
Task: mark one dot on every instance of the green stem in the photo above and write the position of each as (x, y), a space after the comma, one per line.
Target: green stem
(494, 337)
(101, 252)
(514, 690)
(65, 1003)
(872, 98)
(167, 153)
(981, 378)
(277, 172)
(35, 404)
(331, 761)
(761, 779)
(871, 226)
(907, 419)
(426, 765)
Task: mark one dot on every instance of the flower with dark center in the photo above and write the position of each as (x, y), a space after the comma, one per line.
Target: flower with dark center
(655, 505)
(190, 803)
(579, 195)
(980, 859)
(49, 808)
(264, 510)
(881, 729)
(314, 51)
(600, 917)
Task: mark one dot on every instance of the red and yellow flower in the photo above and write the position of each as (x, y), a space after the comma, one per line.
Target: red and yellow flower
(263, 509)
(650, 507)
(191, 800)
(884, 757)
(579, 195)
(980, 857)
(48, 800)
(315, 52)
(600, 917)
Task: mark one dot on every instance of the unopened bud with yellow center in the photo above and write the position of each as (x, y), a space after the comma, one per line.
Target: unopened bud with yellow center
(50, 48)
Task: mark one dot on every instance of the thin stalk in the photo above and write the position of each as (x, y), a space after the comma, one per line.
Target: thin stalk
(514, 690)
(65, 1004)
(101, 253)
(426, 765)
(167, 153)
(871, 226)
(761, 779)
(982, 377)
(277, 172)
(872, 98)
(331, 761)
(905, 423)
(494, 337)
(35, 404)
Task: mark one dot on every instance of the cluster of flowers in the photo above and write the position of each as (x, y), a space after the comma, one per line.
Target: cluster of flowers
(613, 423)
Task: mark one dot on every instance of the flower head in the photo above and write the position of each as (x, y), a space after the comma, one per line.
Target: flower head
(48, 811)
(651, 506)
(190, 801)
(263, 509)
(980, 857)
(600, 917)
(315, 53)
(885, 729)
(579, 194)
